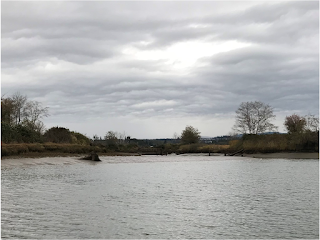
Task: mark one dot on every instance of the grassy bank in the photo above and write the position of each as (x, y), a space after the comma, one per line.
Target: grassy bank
(202, 148)
(47, 149)
(273, 143)
(56, 149)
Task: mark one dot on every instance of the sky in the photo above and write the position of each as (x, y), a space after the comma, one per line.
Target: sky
(149, 69)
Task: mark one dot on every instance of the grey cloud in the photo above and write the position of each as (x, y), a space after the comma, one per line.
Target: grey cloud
(80, 51)
(92, 77)
(272, 76)
(284, 23)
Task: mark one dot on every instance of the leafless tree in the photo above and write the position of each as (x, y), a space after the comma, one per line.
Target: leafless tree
(111, 137)
(33, 111)
(253, 118)
(175, 136)
(312, 123)
(122, 137)
(19, 101)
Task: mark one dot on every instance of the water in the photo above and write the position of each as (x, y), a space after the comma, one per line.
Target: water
(162, 197)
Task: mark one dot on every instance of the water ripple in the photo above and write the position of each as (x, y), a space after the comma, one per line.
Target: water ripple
(162, 197)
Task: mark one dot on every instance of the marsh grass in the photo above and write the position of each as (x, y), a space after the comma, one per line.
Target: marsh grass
(25, 148)
(305, 142)
(202, 148)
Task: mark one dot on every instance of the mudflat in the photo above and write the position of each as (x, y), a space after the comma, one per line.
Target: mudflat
(14, 162)
(298, 155)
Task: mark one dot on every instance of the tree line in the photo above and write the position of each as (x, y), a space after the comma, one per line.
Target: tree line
(21, 122)
(255, 118)
(18, 110)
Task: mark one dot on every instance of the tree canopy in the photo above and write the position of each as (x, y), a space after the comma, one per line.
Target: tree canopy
(18, 110)
(190, 135)
(295, 123)
(21, 119)
(299, 124)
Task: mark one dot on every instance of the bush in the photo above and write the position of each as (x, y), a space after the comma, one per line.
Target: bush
(79, 138)
(58, 135)
(19, 134)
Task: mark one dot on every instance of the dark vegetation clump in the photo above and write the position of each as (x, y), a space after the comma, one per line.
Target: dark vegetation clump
(270, 143)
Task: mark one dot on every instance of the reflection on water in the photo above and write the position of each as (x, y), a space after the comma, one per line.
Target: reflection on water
(162, 197)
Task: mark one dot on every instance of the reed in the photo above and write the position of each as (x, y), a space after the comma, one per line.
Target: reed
(303, 142)
(202, 148)
(23, 148)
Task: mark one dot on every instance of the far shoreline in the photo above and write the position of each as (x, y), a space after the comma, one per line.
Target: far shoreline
(62, 154)
(277, 155)
(285, 155)
(26, 160)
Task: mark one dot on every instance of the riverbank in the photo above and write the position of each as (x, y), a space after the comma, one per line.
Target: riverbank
(62, 154)
(68, 159)
(285, 155)
(49, 158)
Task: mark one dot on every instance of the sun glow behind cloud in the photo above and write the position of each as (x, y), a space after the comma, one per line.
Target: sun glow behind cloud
(183, 54)
(150, 69)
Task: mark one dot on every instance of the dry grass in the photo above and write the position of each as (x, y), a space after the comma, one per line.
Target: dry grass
(278, 143)
(202, 148)
(213, 148)
(36, 148)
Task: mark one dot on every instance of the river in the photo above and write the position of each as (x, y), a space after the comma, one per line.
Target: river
(185, 196)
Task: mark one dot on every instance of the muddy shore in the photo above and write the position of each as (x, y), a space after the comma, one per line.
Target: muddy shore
(292, 155)
(68, 159)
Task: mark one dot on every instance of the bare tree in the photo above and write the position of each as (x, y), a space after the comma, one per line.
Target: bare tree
(253, 118)
(33, 111)
(176, 136)
(121, 137)
(111, 138)
(18, 110)
(312, 123)
(19, 102)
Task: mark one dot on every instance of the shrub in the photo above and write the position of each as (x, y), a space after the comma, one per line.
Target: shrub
(79, 138)
(19, 134)
(58, 135)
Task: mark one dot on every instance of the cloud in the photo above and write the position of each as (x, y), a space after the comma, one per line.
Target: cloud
(160, 64)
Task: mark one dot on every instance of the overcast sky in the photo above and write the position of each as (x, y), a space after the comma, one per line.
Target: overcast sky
(149, 69)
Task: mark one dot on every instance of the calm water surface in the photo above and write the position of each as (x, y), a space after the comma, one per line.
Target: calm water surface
(162, 197)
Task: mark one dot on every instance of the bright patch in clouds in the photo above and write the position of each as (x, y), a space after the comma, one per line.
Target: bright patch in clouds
(159, 103)
(184, 54)
(150, 69)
